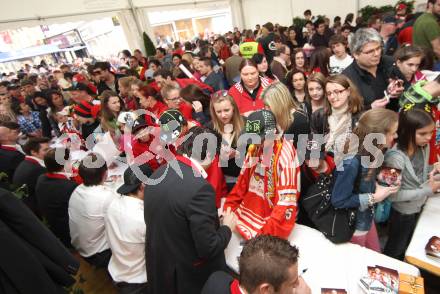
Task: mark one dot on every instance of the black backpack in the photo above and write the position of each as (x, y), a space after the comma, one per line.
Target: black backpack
(337, 224)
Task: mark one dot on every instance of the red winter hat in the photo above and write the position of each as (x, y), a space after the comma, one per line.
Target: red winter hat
(401, 6)
(87, 109)
(79, 78)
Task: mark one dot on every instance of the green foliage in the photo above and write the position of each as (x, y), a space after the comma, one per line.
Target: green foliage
(19, 191)
(150, 49)
(299, 22)
(368, 11)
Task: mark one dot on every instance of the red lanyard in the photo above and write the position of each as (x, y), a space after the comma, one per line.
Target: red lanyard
(32, 160)
(57, 176)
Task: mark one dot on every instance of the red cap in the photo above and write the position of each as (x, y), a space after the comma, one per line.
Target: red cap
(79, 78)
(401, 6)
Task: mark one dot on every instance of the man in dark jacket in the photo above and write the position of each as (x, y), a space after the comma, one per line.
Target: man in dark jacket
(321, 37)
(53, 191)
(268, 42)
(108, 79)
(32, 259)
(10, 156)
(184, 242)
(216, 80)
(370, 71)
(30, 169)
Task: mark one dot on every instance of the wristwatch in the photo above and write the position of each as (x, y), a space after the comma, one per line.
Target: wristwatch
(370, 199)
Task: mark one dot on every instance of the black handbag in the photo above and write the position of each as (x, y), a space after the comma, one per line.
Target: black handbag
(337, 224)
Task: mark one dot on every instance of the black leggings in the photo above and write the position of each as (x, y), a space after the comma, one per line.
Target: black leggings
(401, 229)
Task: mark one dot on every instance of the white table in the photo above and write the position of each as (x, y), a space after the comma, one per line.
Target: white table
(428, 225)
(328, 265)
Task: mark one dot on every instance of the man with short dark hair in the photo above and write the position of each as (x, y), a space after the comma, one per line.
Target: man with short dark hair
(267, 265)
(164, 76)
(31, 168)
(268, 42)
(125, 230)
(10, 153)
(388, 34)
(53, 191)
(281, 62)
(107, 79)
(215, 80)
(134, 65)
(320, 38)
(185, 242)
(87, 208)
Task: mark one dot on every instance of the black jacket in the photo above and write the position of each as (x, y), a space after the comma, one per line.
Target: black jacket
(9, 160)
(102, 86)
(268, 44)
(320, 40)
(184, 241)
(27, 173)
(32, 260)
(371, 88)
(218, 283)
(53, 201)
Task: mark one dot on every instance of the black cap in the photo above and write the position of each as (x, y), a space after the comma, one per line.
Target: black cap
(13, 86)
(171, 125)
(261, 122)
(132, 181)
(81, 87)
(139, 124)
(389, 19)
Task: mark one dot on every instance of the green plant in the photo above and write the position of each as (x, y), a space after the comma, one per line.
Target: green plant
(299, 22)
(150, 49)
(368, 11)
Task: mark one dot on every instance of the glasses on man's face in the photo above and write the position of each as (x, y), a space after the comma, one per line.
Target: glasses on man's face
(372, 51)
(174, 99)
(335, 93)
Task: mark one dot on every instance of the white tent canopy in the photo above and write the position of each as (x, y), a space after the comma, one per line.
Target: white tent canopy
(134, 19)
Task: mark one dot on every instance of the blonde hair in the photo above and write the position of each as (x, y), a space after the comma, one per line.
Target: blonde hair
(127, 81)
(237, 119)
(188, 57)
(167, 88)
(377, 120)
(278, 98)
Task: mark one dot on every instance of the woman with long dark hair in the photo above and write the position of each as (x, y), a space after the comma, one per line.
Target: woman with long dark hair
(263, 65)
(411, 157)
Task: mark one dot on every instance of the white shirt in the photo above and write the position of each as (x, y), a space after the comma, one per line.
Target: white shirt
(125, 229)
(87, 208)
(338, 65)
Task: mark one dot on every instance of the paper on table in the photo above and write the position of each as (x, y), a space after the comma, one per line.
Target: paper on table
(107, 148)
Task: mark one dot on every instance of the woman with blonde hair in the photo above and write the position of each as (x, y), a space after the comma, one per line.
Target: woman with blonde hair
(340, 114)
(355, 185)
(289, 116)
(228, 123)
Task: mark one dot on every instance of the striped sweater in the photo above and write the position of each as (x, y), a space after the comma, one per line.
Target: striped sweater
(265, 196)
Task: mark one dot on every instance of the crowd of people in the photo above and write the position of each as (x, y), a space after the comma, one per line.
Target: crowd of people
(276, 108)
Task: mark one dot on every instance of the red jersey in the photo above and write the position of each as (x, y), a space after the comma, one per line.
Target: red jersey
(265, 195)
(244, 101)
